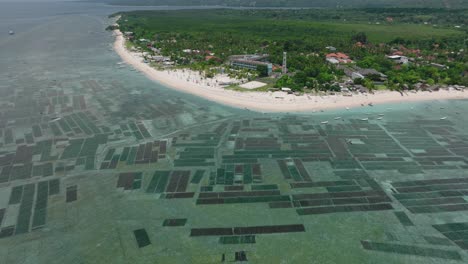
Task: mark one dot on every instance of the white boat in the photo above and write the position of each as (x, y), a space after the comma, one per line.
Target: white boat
(324, 122)
(338, 117)
(381, 114)
(443, 118)
(364, 119)
(379, 118)
(11, 32)
(347, 108)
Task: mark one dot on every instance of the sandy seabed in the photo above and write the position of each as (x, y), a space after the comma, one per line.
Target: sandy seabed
(191, 82)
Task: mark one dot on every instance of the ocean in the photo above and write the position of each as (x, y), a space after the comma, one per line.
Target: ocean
(100, 165)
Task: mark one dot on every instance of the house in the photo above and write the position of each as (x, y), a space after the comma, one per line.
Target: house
(338, 58)
(440, 66)
(398, 59)
(357, 75)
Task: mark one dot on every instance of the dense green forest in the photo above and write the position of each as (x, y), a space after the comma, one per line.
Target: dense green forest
(305, 34)
(298, 3)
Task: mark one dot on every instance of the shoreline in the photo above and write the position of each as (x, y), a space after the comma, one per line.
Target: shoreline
(189, 82)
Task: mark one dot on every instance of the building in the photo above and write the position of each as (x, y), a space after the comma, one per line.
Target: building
(398, 59)
(251, 62)
(338, 58)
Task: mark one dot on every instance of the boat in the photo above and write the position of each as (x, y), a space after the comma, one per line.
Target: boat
(11, 32)
(324, 122)
(370, 104)
(347, 108)
(443, 118)
(364, 119)
(381, 114)
(379, 118)
(338, 117)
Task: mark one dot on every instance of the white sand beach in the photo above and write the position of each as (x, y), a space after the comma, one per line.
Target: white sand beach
(191, 82)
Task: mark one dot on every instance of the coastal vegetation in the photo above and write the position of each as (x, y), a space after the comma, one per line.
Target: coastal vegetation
(295, 3)
(433, 40)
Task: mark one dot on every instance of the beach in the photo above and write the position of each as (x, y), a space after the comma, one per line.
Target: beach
(191, 82)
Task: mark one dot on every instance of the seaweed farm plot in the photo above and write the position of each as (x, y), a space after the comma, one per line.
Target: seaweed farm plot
(135, 175)
(146, 153)
(28, 205)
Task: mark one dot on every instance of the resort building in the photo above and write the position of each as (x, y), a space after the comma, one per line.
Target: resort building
(251, 62)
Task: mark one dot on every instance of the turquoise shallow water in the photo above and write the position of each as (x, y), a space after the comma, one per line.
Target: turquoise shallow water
(99, 164)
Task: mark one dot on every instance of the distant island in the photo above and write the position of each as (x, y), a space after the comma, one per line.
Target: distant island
(303, 52)
(455, 4)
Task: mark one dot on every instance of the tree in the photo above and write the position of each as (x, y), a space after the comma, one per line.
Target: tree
(360, 37)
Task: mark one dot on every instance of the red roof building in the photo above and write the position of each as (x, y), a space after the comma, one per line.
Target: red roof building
(338, 57)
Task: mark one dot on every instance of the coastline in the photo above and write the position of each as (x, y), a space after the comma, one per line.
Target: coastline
(184, 81)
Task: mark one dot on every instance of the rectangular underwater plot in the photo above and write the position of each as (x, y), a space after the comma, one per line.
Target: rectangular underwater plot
(175, 222)
(249, 239)
(40, 210)
(346, 208)
(5, 174)
(55, 129)
(433, 201)
(71, 193)
(247, 178)
(411, 250)
(281, 204)
(16, 194)
(352, 200)
(260, 199)
(198, 176)
(147, 151)
(144, 131)
(438, 208)
(47, 169)
(2, 214)
(125, 180)
(348, 188)
(7, 231)
(164, 178)
(437, 240)
(403, 218)
(173, 181)
(37, 132)
(125, 153)
(183, 181)
(312, 203)
(215, 231)
(24, 215)
(141, 238)
(264, 187)
(114, 161)
(54, 186)
(321, 184)
(451, 227)
(179, 195)
(153, 183)
(284, 169)
(294, 173)
(89, 163)
(132, 155)
(109, 154)
(302, 170)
